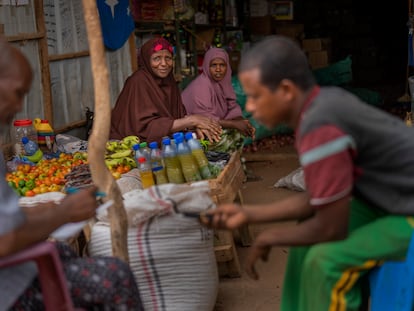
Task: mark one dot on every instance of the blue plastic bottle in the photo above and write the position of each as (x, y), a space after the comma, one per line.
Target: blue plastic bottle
(176, 135)
(31, 149)
(199, 155)
(172, 163)
(188, 163)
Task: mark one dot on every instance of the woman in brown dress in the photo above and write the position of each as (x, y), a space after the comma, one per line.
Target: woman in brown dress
(150, 105)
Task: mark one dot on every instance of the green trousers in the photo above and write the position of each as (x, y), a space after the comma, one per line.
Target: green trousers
(327, 276)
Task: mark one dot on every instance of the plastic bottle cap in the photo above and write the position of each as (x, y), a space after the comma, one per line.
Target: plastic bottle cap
(24, 122)
(166, 141)
(153, 145)
(143, 144)
(136, 147)
(177, 135)
(142, 160)
(188, 136)
(25, 140)
(179, 139)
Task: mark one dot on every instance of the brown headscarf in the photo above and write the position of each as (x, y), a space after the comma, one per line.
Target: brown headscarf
(147, 105)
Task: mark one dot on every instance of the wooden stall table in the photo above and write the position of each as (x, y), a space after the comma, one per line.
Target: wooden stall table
(225, 189)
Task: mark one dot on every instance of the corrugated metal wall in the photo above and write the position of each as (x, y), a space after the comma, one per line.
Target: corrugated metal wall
(9, 16)
(70, 78)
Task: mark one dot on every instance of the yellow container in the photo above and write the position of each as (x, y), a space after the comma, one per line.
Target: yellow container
(45, 133)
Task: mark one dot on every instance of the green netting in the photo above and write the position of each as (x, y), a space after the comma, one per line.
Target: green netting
(368, 96)
(338, 73)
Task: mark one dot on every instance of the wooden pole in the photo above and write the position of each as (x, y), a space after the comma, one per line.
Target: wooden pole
(133, 46)
(100, 132)
(44, 63)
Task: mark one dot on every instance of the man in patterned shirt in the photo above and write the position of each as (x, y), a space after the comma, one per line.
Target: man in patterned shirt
(95, 283)
(358, 166)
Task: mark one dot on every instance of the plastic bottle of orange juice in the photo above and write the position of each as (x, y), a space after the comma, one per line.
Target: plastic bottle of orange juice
(145, 172)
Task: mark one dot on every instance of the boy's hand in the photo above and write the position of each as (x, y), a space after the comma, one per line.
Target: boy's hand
(225, 216)
(256, 252)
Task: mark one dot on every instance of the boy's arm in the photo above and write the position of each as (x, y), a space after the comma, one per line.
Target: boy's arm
(232, 216)
(328, 223)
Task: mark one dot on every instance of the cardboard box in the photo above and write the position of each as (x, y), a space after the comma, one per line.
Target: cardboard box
(261, 25)
(317, 44)
(293, 31)
(318, 59)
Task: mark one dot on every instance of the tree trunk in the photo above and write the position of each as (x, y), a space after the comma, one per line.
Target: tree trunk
(101, 176)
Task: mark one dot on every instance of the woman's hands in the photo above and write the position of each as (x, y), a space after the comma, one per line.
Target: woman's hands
(240, 124)
(244, 127)
(205, 127)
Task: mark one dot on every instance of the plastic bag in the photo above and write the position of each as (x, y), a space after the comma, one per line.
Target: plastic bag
(293, 181)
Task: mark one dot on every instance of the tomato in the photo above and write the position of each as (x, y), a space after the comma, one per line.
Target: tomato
(43, 189)
(30, 193)
(116, 175)
(53, 188)
(127, 168)
(26, 168)
(32, 175)
(47, 181)
(120, 169)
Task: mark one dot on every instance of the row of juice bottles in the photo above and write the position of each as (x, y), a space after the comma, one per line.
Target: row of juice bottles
(179, 160)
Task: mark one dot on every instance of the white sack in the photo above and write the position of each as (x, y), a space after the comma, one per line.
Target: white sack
(171, 256)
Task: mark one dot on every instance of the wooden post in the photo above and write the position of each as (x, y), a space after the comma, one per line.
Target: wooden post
(133, 52)
(100, 132)
(44, 62)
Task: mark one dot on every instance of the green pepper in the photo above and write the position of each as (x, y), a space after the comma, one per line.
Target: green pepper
(22, 183)
(12, 184)
(23, 191)
(30, 184)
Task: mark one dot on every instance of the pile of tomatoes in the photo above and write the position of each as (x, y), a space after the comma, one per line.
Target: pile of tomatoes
(47, 175)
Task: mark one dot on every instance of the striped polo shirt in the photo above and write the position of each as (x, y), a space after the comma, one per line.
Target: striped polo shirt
(347, 147)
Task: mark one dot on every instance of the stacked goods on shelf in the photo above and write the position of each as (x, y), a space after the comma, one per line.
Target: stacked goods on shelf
(318, 51)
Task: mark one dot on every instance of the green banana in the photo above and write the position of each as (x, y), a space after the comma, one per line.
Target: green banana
(113, 162)
(111, 145)
(121, 154)
(36, 157)
(130, 161)
(130, 140)
(124, 146)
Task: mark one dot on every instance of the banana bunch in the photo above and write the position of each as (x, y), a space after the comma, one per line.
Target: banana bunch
(119, 152)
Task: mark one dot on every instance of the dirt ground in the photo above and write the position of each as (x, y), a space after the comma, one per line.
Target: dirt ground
(245, 294)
